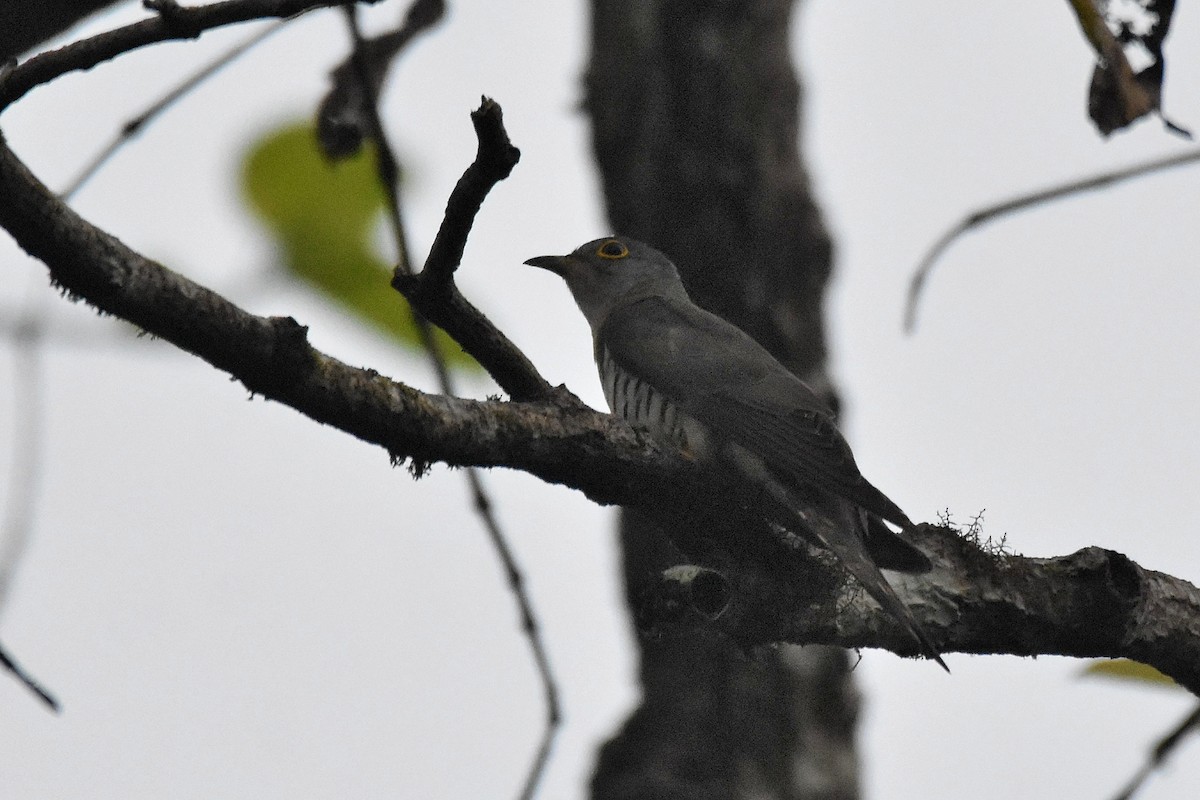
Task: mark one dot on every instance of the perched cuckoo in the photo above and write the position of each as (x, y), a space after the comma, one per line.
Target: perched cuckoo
(691, 377)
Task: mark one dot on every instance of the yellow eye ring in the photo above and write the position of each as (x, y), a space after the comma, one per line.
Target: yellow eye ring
(612, 249)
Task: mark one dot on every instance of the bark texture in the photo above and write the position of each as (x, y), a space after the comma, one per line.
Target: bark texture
(695, 110)
(25, 24)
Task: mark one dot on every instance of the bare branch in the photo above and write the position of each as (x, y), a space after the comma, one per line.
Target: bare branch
(1021, 202)
(1094, 603)
(272, 357)
(533, 633)
(13, 667)
(27, 448)
(1159, 754)
(21, 27)
(494, 161)
(180, 23)
(344, 115)
(433, 293)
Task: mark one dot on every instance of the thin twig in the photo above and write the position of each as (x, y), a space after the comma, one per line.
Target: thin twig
(529, 625)
(183, 23)
(134, 126)
(341, 117)
(1160, 752)
(388, 174)
(26, 448)
(1019, 203)
(7, 663)
(27, 467)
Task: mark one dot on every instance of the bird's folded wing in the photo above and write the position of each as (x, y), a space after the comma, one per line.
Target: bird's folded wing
(800, 445)
(722, 377)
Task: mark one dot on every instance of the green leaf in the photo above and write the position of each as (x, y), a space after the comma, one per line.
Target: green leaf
(322, 215)
(1124, 669)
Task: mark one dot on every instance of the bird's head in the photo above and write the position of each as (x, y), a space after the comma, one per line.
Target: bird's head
(606, 273)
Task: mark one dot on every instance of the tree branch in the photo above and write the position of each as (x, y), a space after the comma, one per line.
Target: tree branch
(25, 23)
(180, 23)
(980, 216)
(7, 663)
(432, 291)
(1092, 603)
(272, 357)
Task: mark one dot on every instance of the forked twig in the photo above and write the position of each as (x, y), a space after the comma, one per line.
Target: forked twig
(433, 292)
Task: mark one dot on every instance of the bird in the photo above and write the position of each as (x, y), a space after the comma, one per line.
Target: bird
(692, 378)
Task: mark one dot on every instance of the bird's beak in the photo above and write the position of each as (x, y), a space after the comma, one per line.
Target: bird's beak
(555, 264)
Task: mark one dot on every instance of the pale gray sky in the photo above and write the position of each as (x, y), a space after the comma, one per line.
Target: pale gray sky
(233, 602)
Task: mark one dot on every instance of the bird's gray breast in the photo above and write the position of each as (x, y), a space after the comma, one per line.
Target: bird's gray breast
(637, 402)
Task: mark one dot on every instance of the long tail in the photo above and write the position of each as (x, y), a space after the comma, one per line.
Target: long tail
(840, 536)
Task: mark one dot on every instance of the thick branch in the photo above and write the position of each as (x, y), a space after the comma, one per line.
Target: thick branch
(271, 356)
(25, 23)
(1093, 603)
(179, 23)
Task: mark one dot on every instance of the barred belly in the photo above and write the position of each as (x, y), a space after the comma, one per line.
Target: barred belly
(639, 403)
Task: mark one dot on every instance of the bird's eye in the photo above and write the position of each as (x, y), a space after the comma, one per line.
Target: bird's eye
(612, 249)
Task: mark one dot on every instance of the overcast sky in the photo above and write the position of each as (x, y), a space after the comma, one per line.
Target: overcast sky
(233, 602)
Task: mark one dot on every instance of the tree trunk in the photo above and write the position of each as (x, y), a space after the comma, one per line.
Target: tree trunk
(695, 122)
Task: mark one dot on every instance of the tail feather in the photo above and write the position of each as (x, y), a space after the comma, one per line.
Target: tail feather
(840, 535)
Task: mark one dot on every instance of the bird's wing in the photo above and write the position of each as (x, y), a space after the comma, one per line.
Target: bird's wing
(801, 444)
(718, 374)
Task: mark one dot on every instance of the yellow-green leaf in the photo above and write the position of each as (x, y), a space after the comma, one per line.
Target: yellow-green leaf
(1124, 669)
(322, 215)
